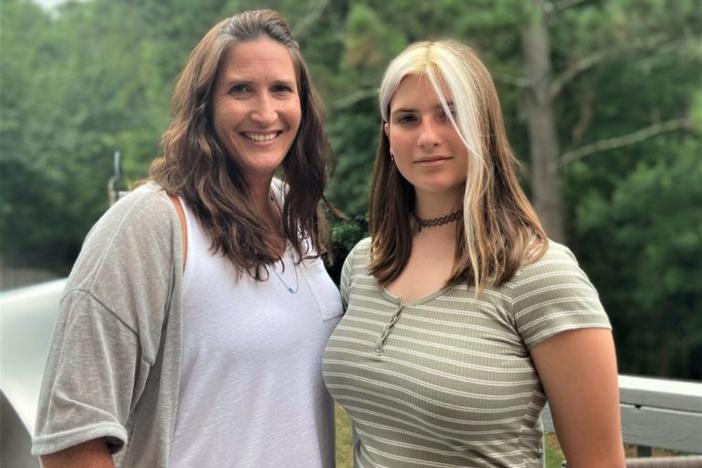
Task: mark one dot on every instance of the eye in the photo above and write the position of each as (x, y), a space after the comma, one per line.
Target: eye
(240, 89)
(406, 119)
(442, 115)
(282, 89)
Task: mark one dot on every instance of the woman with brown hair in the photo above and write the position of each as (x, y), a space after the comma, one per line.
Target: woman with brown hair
(462, 318)
(192, 327)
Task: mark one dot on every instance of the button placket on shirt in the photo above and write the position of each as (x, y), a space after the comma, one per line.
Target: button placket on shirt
(387, 330)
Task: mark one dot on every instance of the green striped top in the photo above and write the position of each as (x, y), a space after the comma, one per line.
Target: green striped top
(447, 380)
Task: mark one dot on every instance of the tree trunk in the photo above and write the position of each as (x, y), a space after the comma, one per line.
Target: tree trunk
(544, 147)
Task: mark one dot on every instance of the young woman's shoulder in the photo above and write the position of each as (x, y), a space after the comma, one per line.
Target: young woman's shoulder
(552, 295)
(355, 264)
(362, 247)
(358, 257)
(557, 257)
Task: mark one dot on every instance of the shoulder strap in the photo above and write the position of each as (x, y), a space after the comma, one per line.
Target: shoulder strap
(183, 226)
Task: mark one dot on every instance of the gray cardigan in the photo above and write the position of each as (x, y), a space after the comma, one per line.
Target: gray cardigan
(114, 363)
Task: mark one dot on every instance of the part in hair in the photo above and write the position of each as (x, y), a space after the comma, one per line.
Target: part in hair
(500, 229)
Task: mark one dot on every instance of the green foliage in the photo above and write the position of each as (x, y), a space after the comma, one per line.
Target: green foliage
(51, 188)
(651, 229)
(368, 45)
(345, 235)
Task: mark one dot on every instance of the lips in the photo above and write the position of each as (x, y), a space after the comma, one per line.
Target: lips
(432, 159)
(261, 137)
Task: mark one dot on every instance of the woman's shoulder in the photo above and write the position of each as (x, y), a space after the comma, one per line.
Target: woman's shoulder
(554, 255)
(355, 266)
(148, 204)
(557, 265)
(131, 252)
(149, 199)
(361, 251)
(359, 256)
(363, 246)
(144, 213)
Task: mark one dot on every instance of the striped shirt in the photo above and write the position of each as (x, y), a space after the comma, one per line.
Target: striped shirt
(447, 380)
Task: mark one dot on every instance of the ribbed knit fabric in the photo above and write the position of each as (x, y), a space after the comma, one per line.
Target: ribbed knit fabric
(447, 380)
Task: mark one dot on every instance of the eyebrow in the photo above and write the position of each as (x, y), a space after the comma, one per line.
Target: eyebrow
(402, 111)
(406, 110)
(292, 84)
(246, 81)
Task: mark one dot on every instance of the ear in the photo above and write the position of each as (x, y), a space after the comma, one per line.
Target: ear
(386, 129)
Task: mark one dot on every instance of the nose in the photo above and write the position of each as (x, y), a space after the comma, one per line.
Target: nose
(264, 110)
(428, 135)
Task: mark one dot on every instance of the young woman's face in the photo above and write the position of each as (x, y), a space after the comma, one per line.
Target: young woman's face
(427, 149)
(256, 106)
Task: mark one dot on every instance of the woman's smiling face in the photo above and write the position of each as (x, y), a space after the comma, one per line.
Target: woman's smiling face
(256, 106)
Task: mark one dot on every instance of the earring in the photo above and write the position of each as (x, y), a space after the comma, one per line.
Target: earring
(392, 155)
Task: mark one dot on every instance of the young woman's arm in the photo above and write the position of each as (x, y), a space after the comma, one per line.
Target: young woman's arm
(578, 370)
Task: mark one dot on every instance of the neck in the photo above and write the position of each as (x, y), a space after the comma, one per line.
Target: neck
(434, 205)
(260, 194)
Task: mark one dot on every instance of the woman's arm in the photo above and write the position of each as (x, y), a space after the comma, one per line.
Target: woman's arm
(91, 454)
(578, 370)
(109, 326)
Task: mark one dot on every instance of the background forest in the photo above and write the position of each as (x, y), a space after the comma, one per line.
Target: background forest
(602, 98)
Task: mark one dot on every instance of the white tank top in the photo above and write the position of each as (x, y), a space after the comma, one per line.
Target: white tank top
(251, 390)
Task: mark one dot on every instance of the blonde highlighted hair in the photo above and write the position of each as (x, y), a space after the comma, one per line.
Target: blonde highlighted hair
(500, 229)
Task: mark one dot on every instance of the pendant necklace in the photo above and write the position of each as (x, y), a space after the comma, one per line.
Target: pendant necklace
(290, 289)
(440, 221)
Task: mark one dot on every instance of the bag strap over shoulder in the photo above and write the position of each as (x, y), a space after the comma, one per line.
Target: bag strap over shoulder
(183, 226)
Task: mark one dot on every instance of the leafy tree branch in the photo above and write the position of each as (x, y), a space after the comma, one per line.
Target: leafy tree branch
(624, 140)
(586, 63)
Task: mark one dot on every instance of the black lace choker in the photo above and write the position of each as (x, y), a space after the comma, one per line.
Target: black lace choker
(440, 221)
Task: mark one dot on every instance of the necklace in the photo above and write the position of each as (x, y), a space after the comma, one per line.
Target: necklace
(290, 289)
(440, 221)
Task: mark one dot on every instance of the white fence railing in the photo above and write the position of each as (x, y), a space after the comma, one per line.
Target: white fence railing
(658, 413)
(655, 412)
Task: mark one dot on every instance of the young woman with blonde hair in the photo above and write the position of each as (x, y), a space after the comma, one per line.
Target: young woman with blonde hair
(462, 318)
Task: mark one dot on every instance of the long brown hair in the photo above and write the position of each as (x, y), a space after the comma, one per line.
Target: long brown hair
(500, 229)
(196, 166)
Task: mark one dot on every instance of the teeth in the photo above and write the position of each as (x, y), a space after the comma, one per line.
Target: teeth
(261, 136)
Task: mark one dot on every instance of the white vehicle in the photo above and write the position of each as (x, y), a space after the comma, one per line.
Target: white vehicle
(27, 317)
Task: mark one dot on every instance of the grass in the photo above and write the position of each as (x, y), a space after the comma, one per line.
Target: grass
(344, 454)
(554, 456)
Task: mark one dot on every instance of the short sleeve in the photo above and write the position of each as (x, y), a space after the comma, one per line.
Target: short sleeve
(89, 378)
(356, 263)
(108, 330)
(345, 280)
(554, 295)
